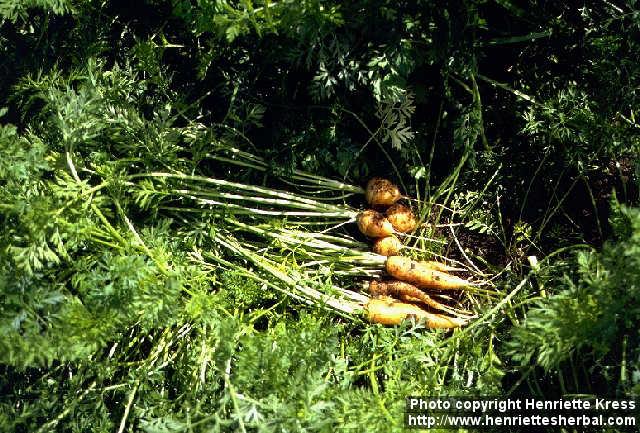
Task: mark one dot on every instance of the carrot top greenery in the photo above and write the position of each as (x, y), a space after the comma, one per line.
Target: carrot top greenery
(182, 185)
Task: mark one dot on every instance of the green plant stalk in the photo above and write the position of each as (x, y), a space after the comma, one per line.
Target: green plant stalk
(244, 211)
(348, 215)
(230, 185)
(300, 282)
(274, 202)
(254, 199)
(198, 257)
(358, 262)
(246, 159)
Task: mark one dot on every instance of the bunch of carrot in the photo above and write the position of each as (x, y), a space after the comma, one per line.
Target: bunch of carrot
(394, 300)
(291, 238)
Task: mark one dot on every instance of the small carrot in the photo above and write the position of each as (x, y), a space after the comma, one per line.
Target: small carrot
(389, 312)
(422, 274)
(403, 291)
(381, 192)
(401, 218)
(387, 246)
(374, 224)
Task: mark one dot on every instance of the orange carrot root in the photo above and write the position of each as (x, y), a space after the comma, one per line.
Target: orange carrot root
(374, 224)
(388, 246)
(390, 312)
(405, 292)
(381, 192)
(401, 218)
(440, 266)
(422, 274)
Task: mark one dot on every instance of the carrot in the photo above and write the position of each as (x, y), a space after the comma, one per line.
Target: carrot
(388, 246)
(389, 312)
(403, 291)
(381, 192)
(440, 266)
(374, 224)
(422, 274)
(401, 218)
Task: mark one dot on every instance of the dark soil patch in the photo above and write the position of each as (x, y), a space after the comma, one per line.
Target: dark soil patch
(588, 203)
(478, 244)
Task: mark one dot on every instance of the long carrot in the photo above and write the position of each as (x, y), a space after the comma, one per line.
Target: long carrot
(440, 266)
(422, 274)
(390, 312)
(403, 291)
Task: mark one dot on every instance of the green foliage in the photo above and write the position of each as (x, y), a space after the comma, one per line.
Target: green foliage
(230, 21)
(594, 308)
(239, 293)
(492, 114)
(71, 280)
(13, 10)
